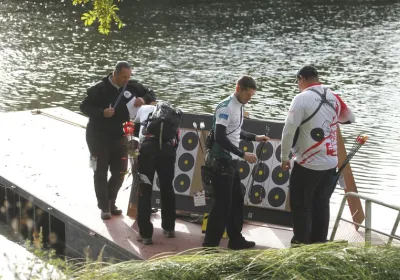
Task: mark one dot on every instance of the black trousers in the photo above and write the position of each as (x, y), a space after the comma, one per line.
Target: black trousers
(152, 159)
(110, 154)
(310, 193)
(227, 208)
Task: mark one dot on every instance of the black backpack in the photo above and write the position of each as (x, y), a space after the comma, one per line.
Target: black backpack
(164, 121)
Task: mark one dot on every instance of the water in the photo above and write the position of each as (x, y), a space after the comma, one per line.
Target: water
(191, 53)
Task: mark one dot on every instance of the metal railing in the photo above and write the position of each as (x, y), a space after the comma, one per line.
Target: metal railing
(368, 225)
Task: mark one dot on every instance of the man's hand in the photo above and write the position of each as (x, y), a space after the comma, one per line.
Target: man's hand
(262, 138)
(249, 157)
(138, 102)
(109, 112)
(286, 165)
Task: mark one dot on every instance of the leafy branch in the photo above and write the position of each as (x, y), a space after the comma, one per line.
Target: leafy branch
(103, 11)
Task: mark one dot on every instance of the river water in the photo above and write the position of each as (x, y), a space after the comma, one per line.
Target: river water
(191, 53)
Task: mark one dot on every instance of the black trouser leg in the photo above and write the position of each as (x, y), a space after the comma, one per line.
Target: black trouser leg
(219, 215)
(303, 184)
(321, 214)
(235, 221)
(146, 162)
(165, 166)
(102, 155)
(118, 167)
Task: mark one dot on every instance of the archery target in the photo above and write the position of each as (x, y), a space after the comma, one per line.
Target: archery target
(256, 194)
(264, 151)
(276, 197)
(279, 176)
(278, 182)
(260, 172)
(259, 175)
(182, 183)
(190, 140)
(246, 146)
(185, 161)
(243, 169)
(270, 185)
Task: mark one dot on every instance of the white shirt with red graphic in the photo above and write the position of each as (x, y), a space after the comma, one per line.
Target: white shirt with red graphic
(316, 146)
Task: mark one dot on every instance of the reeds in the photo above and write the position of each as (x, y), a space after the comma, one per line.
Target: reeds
(322, 261)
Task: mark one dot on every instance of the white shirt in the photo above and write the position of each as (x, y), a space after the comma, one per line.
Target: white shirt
(229, 113)
(316, 146)
(142, 115)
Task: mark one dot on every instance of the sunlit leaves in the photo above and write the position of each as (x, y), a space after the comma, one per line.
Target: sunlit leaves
(103, 11)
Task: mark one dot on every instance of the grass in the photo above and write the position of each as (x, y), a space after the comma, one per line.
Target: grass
(322, 261)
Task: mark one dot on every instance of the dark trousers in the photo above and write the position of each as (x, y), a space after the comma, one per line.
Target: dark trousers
(109, 154)
(227, 208)
(152, 159)
(310, 193)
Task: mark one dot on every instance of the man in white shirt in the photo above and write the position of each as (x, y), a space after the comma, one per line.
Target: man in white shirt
(227, 208)
(310, 134)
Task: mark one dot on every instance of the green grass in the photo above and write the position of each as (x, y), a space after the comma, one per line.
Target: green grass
(323, 261)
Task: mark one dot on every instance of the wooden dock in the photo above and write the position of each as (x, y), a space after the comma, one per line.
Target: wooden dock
(44, 163)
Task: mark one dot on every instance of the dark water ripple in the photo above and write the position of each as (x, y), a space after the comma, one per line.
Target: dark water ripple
(192, 52)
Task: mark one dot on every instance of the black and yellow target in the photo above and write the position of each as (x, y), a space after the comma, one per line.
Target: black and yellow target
(186, 162)
(243, 169)
(264, 151)
(260, 172)
(246, 146)
(276, 197)
(190, 141)
(182, 183)
(278, 153)
(256, 194)
(279, 176)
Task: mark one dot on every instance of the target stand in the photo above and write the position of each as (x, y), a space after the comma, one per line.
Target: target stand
(265, 199)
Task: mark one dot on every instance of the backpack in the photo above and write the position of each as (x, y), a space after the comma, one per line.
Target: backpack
(164, 121)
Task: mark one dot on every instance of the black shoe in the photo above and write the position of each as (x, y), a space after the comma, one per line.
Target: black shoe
(169, 233)
(115, 211)
(241, 244)
(105, 215)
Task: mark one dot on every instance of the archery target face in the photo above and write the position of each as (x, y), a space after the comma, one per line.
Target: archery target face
(185, 161)
(270, 186)
(279, 181)
(246, 146)
(255, 193)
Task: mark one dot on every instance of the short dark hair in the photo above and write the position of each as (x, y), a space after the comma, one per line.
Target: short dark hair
(307, 72)
(247, 82)
(120, 65)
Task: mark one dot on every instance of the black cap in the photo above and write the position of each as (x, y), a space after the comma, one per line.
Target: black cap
(307, 72)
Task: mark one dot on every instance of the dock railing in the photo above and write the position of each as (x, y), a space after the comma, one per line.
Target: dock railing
(368, 218)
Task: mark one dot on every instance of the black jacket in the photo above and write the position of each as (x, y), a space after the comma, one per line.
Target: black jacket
(99, 97)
